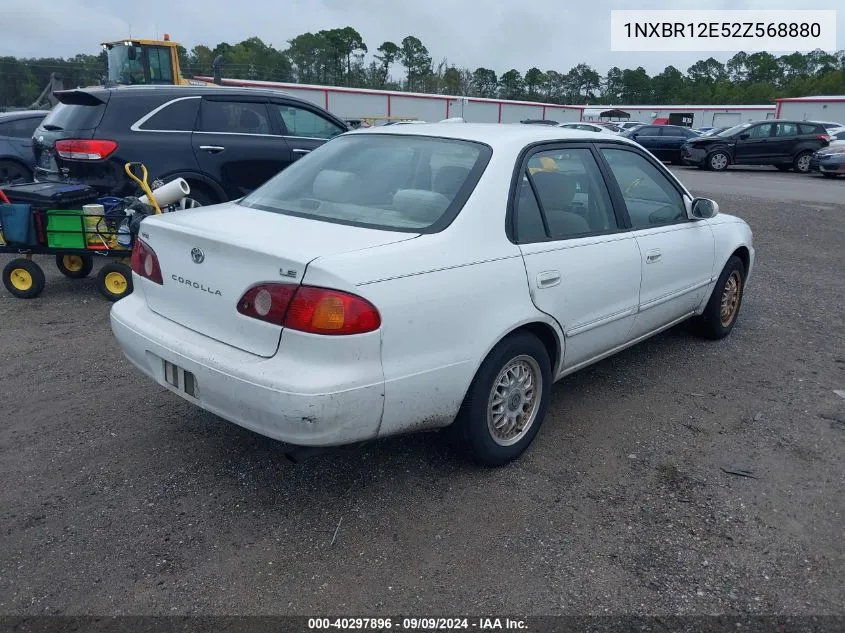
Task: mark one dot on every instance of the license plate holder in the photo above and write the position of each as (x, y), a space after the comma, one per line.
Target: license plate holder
(180, 380)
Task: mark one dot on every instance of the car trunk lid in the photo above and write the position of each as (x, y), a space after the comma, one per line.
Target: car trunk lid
(210, 257)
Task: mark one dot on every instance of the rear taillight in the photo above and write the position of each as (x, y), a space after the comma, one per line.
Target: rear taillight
(85, 149)
(145, 262)
(310, 309)
(823, 137)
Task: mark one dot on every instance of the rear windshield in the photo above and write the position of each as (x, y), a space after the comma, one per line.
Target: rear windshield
(74, 117)
(384, 181)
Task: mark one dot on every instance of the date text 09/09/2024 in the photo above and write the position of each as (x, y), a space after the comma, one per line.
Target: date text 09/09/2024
(715, 30)
(417, 624)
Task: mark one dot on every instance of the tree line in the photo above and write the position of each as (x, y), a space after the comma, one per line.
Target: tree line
(338, 57)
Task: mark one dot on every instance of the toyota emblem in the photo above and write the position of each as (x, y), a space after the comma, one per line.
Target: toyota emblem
(197, 255)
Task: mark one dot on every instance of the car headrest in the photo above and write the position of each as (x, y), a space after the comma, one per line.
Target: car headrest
(334, 186)
(556, 189)
(448, 180)
(249, 120)
(420, 205)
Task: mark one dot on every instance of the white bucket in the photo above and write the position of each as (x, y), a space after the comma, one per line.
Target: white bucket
(169, 193)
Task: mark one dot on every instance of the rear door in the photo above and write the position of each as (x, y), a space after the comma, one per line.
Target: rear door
(305, 128)
(583, 265)
(237, 143)
(786, 139)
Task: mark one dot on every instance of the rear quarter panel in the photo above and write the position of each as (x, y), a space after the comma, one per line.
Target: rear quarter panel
(445, 299)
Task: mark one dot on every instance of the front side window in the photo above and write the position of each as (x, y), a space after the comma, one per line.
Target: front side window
(302, 122)
(761, 131)
(234, 117)
(384, 181)
(650, 197)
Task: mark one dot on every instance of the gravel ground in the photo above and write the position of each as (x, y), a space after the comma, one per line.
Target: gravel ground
(119, 498)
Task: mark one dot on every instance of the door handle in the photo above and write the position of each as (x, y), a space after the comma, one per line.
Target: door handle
(212, 149)
(548, 279)
(301, 151)
(653, 256)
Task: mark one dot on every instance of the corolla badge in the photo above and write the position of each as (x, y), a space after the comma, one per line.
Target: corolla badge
(197, 255)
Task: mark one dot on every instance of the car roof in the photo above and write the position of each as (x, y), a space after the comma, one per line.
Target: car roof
(188, 91)
(495, 135)
(22, 114)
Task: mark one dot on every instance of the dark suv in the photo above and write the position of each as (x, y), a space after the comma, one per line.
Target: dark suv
(782, 144)
(224, 141)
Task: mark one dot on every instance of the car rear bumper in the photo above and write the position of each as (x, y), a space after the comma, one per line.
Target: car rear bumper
(305, 395)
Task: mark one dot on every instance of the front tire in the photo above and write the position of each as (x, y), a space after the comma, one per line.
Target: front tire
(506, 402)
(75, 266)
(718, 161)
(720, 315)
(23, 278)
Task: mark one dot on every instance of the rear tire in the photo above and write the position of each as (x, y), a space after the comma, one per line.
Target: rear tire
(801, 164)
(722, 311)
(75, 266)
(23, 278)
(718, 161)
(506, 402)
(200, 196)
(14, 173)
(114, 281)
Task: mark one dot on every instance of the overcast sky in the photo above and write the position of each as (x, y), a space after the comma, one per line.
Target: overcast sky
(497, 34)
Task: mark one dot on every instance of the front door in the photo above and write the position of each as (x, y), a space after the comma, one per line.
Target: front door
(582, 265)
(757, 146)
(236, 143)
(676, 253)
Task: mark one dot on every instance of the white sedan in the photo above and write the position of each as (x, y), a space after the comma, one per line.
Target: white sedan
(425, 276)
(587, 127)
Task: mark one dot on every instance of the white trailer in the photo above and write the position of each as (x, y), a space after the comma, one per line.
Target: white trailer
(700, 116)
(829, 109)
(362, 103)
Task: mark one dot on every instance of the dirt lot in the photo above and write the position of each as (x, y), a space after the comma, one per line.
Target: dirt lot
(119, 498)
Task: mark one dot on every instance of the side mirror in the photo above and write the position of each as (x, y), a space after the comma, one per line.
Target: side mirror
(704, 209)
(744, 135)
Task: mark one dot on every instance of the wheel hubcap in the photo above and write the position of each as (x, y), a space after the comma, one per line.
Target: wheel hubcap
(730, 299)
(719, 161)
(514, 400)
(73, 263)
(116, 283)
(804, 163)
(21, 279)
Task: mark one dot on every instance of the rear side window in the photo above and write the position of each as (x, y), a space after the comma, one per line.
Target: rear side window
(177, 116)
(809, 129)
(71, 117)
(302, 122)
(384, 181)
(235, 117)
(20, 128)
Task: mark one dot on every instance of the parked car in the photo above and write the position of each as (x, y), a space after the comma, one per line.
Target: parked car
(782, 144)
(713, 131)
(16, 160)
(829, 125)
(586, 127)
(225, 142)
(627, 125)
(359, 293)
(664, 141)
(830, 161)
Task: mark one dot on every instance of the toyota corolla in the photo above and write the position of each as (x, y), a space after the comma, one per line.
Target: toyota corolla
(417, 277)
